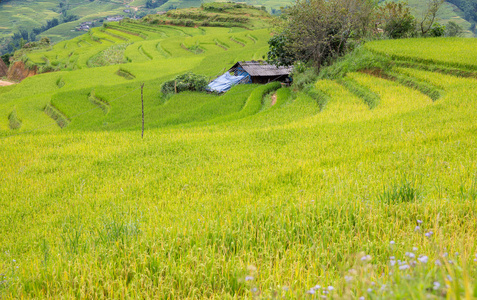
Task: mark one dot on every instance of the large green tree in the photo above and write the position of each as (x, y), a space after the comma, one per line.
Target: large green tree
(317, 30)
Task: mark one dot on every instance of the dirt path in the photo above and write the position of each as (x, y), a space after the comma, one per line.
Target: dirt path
(5, 83)
(274, 99)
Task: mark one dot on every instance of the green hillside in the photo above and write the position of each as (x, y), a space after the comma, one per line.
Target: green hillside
(215, 14)
(17, 15)
(362, 186)
(447, 12)
(154, 53)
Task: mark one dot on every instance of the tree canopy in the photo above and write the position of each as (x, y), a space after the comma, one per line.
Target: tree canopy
(316, 30)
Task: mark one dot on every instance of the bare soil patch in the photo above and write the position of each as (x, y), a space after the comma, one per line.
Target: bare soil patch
(5, 83)
(274, 99)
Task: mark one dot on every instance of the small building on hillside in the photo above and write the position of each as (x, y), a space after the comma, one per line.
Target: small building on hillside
(255, 71)
(114, 18)
(259, 71)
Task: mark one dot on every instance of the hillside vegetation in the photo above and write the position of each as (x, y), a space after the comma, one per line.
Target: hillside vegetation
(364, 185)
(18, 15)
(448, 12)
(23, 16)
(215, 14)
(120, 57)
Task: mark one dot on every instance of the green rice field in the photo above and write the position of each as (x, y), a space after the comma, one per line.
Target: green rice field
(367, 191)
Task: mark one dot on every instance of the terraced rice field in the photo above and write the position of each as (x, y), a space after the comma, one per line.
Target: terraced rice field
(457, 52)
(352, 194)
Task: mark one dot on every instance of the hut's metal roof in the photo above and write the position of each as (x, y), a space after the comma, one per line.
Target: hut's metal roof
(262, 68)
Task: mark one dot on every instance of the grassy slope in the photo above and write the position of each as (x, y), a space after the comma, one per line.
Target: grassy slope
(220, 189)
(154, 55)
(457, 52)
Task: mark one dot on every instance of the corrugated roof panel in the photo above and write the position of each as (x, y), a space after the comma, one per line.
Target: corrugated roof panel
(262, 68)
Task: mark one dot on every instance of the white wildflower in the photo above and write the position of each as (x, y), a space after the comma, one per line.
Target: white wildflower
(404, 267)
(366, 258)
(423, 259)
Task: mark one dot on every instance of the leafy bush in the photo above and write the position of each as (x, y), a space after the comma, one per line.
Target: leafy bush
(279, 53)
(397, 20)
(185, 82)
(6, 58)
(303, 76)
(437, 30)
(454, 29)
(14, 121)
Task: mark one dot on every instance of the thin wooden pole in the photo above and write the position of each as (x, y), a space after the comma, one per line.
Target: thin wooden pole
(142, 102)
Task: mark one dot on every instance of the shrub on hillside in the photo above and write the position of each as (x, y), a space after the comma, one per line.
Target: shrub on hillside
(185, 82)
(303, 76)
(396, 20)
(6, 58)
(454, 29)
(437, 30)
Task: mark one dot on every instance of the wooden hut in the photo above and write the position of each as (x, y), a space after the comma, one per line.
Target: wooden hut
(259, 71)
